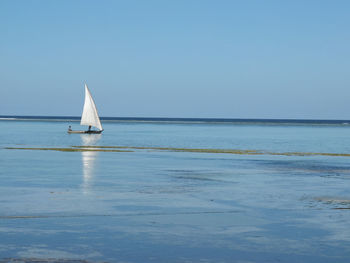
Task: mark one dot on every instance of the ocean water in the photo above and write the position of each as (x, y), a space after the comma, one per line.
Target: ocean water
(149, 205)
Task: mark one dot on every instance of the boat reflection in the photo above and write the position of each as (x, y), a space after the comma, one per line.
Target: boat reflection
(89, 160)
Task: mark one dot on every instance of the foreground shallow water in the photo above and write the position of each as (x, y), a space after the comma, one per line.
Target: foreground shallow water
(170, 206)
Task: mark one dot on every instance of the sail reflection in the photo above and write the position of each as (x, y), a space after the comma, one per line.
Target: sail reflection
(89, 159)
(90, 139)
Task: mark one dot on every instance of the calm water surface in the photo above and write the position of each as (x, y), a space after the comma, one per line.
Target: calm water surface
(162, 206)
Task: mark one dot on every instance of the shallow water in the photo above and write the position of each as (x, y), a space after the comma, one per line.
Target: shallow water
(163, 206)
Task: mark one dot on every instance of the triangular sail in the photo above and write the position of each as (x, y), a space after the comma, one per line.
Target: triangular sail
(90, 115)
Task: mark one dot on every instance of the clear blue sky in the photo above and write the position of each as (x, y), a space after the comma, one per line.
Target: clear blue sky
(181, 58)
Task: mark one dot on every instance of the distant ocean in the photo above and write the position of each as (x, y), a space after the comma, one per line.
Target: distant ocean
(184, 120)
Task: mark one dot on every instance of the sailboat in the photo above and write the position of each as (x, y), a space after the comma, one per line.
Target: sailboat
(89, 116)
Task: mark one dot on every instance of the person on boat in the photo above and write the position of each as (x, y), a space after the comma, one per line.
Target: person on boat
(89, 128)
(70, 128)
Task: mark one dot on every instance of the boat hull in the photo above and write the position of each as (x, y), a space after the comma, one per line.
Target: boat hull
(86, 132)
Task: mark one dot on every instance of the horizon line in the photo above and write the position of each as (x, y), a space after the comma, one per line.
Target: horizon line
(169, 118)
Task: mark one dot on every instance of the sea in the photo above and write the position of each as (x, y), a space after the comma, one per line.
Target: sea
(174, 190)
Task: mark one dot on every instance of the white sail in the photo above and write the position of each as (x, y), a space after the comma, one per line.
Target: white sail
(90, 115)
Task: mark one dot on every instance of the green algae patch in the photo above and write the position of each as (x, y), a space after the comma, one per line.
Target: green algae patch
(228, 151)
(307, 154)
(175, 149)
(92, 148)
(66, 149)
(213, 151)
